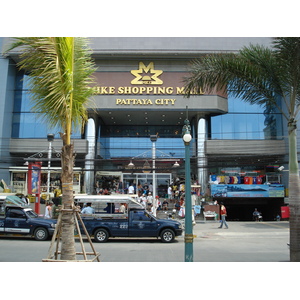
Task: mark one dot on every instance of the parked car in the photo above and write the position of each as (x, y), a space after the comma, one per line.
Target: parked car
(18, 218)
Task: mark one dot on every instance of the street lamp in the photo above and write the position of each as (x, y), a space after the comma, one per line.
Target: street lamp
(131, 164)
(153, 139)
(50, 138)
(176, 165)
(188, 238)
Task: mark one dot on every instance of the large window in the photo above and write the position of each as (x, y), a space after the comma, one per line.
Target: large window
(26, 124)
(141, 131)
(131, 141)
(246, 121)
(130, 147)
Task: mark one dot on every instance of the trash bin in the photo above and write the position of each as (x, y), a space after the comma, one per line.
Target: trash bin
(31, 198)
(285, 212)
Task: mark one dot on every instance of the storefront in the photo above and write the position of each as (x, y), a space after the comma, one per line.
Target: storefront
(19, 178)
(241, 193)
(119, 182)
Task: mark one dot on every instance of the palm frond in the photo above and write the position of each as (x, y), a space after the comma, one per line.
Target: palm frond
(255, 74)
(60, 77)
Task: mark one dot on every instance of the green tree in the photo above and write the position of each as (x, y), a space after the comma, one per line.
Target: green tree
(59, 70)
(260, 75)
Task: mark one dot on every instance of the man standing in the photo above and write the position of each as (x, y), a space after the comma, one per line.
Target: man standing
(170, 193)
(131, 189)
(223, 214)
(48, 210)
(144, 200)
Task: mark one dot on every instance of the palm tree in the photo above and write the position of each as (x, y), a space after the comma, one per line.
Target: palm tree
(260, 75)
(60, 71)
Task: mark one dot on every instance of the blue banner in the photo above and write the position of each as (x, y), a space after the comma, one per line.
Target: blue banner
(34, 177)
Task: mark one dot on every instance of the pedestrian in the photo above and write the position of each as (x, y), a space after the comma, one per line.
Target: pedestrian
(150, 198)
(256, 215)
(55, 207)
(131, 189)
(158, 203)
(140, 190)
(57, 192)
(149, 201)
(25, 200)
(144, 200)
(150, 188)
(223, 214)
(165, 205)
(48, 210)
(170, 193)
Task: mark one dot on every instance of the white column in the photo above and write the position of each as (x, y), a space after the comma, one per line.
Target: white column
(154, 202)
(202, 159)
(49, 166)
(89, 163)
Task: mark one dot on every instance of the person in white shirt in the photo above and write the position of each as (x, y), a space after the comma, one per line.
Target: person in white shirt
(149, 201)
(131, 189)
(170, 193)
(48, 210)
(150, 198)
(150, 187)
(144, 200)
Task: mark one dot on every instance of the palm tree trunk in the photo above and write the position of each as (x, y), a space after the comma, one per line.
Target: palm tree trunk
(68, 251)
(294, 194)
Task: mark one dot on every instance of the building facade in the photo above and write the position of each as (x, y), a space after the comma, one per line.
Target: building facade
(236, 148)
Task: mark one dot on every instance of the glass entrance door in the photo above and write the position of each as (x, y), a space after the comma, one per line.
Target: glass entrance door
(145, 180)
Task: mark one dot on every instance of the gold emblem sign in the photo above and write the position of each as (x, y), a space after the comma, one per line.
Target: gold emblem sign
(146, 75)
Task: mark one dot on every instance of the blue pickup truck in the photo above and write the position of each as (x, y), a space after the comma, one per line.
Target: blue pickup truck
(18, 218)
(122, 216)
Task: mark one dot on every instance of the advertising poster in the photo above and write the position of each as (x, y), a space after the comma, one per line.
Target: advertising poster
(247, 190)
(34, 177)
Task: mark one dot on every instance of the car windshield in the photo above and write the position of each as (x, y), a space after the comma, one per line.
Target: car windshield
(31, 214)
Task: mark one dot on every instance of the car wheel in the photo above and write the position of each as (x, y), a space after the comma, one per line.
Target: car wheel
(167, 236)
(41, 234)
(101, 236)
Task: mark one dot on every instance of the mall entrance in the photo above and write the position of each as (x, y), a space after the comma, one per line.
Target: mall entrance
(117, 182)
(241, 209)
(163, 180)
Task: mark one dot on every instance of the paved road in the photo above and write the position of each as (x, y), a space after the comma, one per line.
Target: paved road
(242, 242)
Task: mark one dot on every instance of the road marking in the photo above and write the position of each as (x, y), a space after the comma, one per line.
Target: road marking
(273, 225)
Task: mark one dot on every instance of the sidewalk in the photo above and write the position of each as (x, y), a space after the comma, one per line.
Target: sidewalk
(236, 229)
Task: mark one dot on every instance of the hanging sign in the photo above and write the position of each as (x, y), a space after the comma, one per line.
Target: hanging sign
(34, 177)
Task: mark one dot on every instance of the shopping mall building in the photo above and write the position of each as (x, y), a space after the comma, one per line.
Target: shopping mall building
(236, 147)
